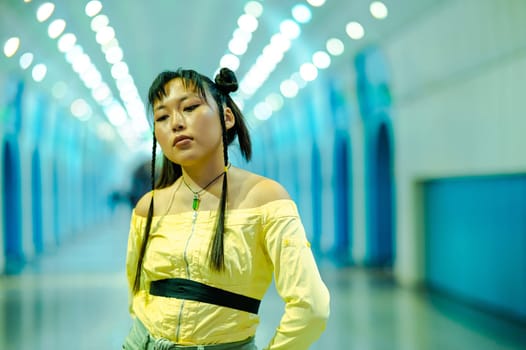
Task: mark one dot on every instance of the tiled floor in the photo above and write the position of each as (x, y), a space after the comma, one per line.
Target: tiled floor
(77, 299)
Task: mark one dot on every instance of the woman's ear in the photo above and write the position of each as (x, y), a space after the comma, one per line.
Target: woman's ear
(230, 119)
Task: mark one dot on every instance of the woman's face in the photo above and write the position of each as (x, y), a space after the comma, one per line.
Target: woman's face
(187, 127)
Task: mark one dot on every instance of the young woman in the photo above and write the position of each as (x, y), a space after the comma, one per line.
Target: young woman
(205, 244)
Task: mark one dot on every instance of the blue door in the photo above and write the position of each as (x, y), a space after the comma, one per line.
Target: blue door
(12, 212)
(383, 208)
(342, 204)
(316, 185)
(36, 187)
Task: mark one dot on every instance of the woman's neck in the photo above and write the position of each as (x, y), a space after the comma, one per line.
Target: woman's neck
(200, 176)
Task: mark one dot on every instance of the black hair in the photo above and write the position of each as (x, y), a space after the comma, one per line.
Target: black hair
(220, 89)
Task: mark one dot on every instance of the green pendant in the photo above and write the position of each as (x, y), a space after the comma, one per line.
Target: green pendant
(195, 202)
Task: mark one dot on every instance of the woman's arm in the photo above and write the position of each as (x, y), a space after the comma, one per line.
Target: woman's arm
(297, 280)
(135, 235)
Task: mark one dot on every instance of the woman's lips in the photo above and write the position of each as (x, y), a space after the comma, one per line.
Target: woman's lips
(180, 141)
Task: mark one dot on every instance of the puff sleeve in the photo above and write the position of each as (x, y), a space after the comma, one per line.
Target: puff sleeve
(132, 254)
(297, 279)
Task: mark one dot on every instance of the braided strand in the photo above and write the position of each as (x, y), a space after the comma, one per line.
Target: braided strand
(217, 254)
(147, 228)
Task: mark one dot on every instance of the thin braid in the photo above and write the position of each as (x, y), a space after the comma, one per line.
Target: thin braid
(217, 254)
(146, 235)
(152, 169)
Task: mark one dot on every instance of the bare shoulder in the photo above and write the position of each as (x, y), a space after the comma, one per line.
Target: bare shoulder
(259, 190)
(162, 201)
(143, 205)
(267, 190)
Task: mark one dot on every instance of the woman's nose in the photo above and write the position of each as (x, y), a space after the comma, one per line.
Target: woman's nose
(178, 122)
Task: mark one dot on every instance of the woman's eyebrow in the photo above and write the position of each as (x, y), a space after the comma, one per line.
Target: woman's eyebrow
(178, 101)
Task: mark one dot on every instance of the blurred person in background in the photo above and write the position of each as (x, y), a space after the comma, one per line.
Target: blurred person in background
(140, 183)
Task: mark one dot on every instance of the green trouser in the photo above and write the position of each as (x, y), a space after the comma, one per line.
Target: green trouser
(140, 339)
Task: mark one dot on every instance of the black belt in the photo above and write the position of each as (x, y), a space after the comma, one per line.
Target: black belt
(190, 290)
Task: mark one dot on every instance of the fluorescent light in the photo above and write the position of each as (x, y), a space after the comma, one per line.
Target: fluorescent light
(93, 8)
(80, 109)
(279, 41)
(355, 30)
(119, 70)
(114, 55)
(26, 60)
(335, 46)
(242, 35)
(248, 23)
(101, 92)
(378, 10)
(105, 35)
(115, 113)
(11, 46)
(99, 22)
(237, 47)
(290, 29)
(262, 111)
(316, 3)
(59, 89)
(230, 61)
(66, 42)
(254, 8)
(275, 101)
(321, 59)
(289, 88)
(39, 72)
(56, 28)
(308, 72)
(301, 13)
(45, 11)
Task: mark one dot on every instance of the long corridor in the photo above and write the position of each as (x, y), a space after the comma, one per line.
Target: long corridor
(396, 136)
(76, 298)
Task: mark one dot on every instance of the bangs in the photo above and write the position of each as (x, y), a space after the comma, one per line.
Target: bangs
(191, 80)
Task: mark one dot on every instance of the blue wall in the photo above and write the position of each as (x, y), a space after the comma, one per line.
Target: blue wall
(374, 98)
(43, 151)
(475, 229)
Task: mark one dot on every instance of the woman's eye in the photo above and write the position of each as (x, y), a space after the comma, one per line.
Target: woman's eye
(161, 118)
(191, 108)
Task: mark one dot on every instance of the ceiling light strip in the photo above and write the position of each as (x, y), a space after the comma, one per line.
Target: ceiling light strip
(308, 71)
(88, 73)
(247, 24)
(273, 53)
(129, 95)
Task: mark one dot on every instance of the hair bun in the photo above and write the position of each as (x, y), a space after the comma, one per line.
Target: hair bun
(226, 81)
